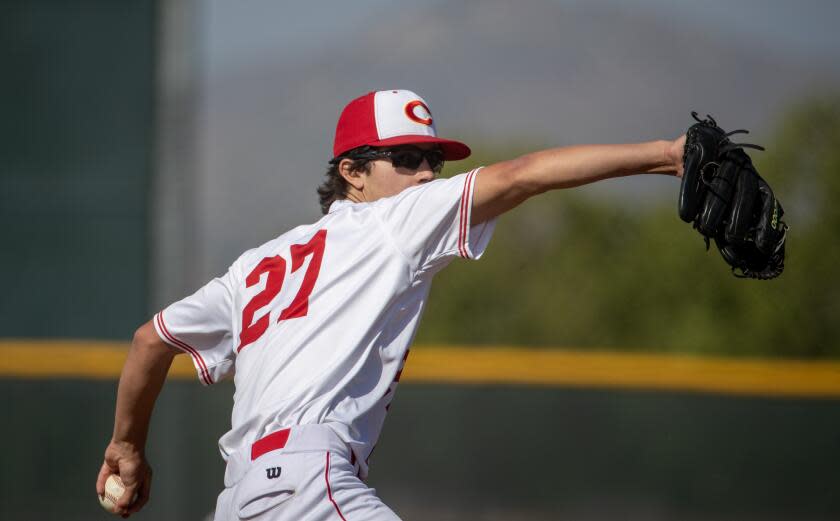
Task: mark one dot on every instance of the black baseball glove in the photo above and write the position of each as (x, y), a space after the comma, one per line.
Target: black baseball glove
(729, 202)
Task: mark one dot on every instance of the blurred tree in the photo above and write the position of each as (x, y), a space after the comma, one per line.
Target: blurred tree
(567, 269)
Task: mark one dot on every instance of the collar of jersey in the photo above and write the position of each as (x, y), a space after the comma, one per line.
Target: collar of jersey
(338, 204)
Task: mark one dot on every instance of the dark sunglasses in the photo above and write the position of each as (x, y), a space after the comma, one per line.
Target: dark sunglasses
(410, 157)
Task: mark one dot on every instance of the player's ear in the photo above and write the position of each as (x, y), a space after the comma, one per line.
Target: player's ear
(354, 178)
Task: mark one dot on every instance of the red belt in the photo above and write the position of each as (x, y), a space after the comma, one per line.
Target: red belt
(275, 440)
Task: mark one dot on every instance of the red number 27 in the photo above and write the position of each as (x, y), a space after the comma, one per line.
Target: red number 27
(276, 269)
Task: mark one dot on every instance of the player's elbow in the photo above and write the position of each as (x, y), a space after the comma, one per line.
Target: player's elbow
(524, 178)
(146, 339)
(145, 335)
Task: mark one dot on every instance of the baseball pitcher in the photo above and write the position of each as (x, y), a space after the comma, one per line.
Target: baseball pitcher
(315, 326)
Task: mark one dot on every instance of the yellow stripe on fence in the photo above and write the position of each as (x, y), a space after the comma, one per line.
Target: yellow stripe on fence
(558, 367)
(72, 359)
(459, 365)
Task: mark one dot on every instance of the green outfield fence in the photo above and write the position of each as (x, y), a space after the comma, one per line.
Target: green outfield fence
(473, 434)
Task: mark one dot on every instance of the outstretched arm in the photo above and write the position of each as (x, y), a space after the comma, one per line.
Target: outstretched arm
(142, 378)
(503, 186)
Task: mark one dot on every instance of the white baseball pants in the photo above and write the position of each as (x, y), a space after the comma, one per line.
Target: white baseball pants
(309, 477)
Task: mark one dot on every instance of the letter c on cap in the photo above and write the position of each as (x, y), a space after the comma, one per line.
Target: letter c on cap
(411, 112)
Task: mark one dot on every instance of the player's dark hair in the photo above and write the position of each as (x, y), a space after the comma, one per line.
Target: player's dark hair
(334, 186)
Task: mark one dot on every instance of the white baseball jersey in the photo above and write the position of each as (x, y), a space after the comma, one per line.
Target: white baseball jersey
(315, 325)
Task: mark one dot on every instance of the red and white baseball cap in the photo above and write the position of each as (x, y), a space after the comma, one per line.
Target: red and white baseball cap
(388, 118)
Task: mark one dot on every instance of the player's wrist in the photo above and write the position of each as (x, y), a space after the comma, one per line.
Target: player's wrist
(127, 449)
(674, 154)
(666, 156)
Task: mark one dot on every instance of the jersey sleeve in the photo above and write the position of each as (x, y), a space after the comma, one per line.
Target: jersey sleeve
(430, 223)
(201, 326)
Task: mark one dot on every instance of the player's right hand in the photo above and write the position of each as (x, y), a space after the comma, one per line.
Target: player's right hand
(136, 474)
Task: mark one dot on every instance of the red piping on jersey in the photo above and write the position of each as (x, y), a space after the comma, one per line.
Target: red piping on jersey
(204, 373)
(465, 201)
(461, 217)
(329, 492)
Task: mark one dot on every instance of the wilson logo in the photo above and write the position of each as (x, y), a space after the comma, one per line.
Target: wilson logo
(272, 472)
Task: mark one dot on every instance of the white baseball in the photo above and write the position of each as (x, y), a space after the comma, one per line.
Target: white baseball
(114, 489)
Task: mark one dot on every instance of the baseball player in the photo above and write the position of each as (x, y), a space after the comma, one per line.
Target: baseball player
(315, 325)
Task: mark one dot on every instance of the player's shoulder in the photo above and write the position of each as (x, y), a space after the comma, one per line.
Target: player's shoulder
(436, 185)
(433, 192)
(346, 209)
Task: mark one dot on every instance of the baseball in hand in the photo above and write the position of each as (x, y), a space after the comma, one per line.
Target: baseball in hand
(114, 489)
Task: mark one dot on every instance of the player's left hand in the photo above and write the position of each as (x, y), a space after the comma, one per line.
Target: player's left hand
(725, 199)
(136, 474)
(675, 155)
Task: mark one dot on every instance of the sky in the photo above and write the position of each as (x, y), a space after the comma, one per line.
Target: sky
(237, 34)
(274, 74)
